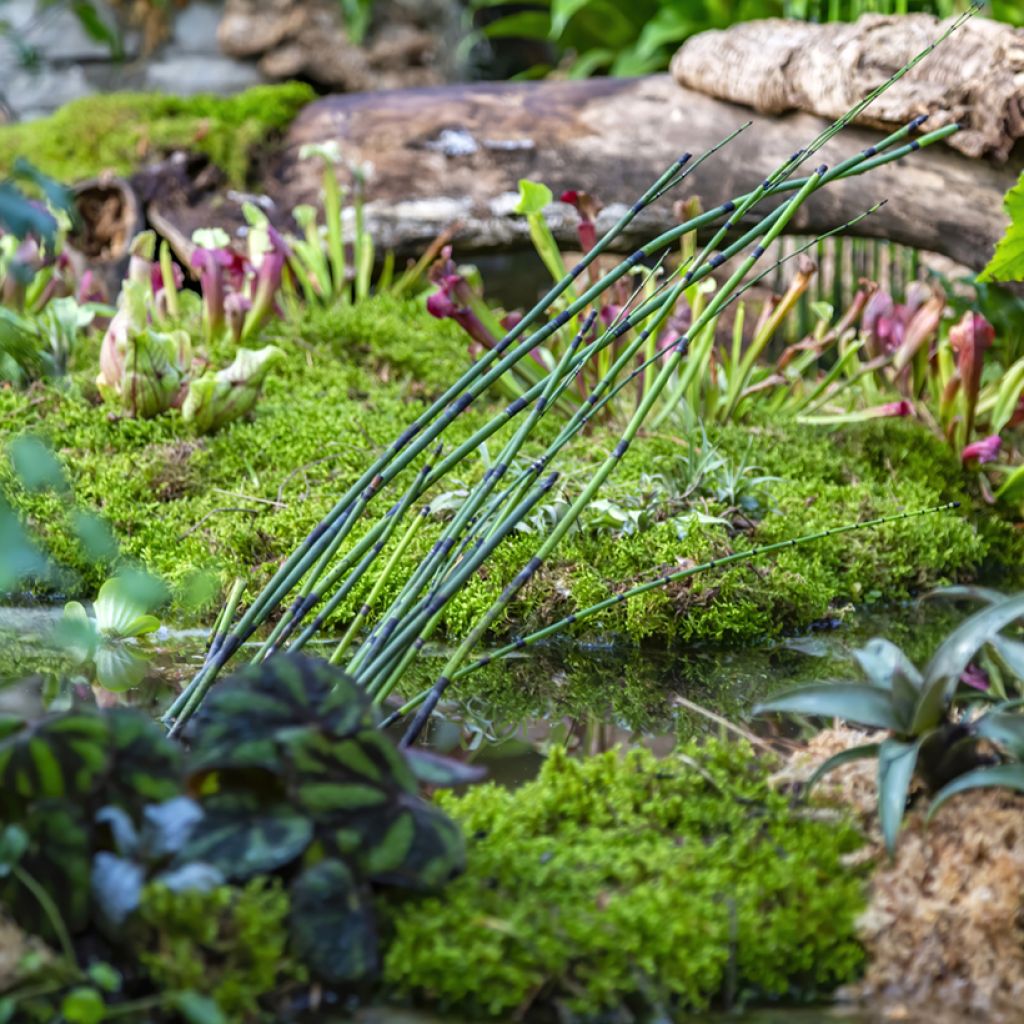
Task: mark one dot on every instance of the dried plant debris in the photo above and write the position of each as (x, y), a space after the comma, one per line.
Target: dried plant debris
(944, 928)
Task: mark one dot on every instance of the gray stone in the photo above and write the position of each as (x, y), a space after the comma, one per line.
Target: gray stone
(57, 34)
(36, 93)
(188, 75)
(195, 28)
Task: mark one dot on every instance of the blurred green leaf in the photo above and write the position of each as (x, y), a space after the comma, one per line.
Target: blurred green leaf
(197, 1009)
(953, 656)
(1009, 775)
(896, 762)
(36, 465)
(332, 924)
(853, 702)
(83, 1006)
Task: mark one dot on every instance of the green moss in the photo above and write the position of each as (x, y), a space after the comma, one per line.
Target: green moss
(120, 131)
(240, 501)
(227, 943)
(628, 881)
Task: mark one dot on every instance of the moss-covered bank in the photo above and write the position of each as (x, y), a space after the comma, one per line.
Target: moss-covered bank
(624, 881)
(239, 501)
(120, 131)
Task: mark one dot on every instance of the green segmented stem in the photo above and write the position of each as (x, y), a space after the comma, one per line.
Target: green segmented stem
(674, 577)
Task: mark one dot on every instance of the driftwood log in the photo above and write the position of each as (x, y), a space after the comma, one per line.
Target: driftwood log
(974, 78)
(454, 154)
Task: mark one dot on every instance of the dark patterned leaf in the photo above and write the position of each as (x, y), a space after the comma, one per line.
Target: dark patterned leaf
(241, 837)
(325, 800)
(433, 856)
(13, 844)
(148, 766)
(116, 887)
(434, 770)
(249, 713)
(64, 755)
(167, 826)
(332, 926)
(58, 859)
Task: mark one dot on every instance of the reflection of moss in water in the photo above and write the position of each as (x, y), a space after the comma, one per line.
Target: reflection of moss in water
(634, 688)
(361, 374)
(632, 882)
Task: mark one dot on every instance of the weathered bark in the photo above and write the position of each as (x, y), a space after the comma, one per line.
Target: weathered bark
(109, 217)
(974, 78)
(454, 155)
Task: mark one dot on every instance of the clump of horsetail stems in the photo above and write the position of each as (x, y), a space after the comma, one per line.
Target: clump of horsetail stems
(321, 574)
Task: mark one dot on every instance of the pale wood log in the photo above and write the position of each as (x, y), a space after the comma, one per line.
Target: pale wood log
(454, 154)
(974, 78)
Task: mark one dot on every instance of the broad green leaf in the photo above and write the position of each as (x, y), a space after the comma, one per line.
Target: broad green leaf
(242, 838)
(1009, 775)
(672, 24)
(953, 656)
(533, 197)
(83, 1005)
(1012, 488)
(896, 761)
(561, 13)
(1010, 386)
(332, 924)
(524, 25)
(122, 606)
(853, 702)
(119, 667)
(90, 19)
(1007, 263)
(838, 760)
(196, 1009)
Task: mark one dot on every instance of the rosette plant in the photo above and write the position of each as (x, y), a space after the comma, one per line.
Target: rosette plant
(931, 735)
(105, 642)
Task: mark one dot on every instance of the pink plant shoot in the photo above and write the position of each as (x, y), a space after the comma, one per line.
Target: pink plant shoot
(970, 340)
(985, 450)
(588, 209)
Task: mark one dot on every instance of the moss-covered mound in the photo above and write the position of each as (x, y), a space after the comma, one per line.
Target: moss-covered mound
(120, 131)
(239, 501)
(625, 880)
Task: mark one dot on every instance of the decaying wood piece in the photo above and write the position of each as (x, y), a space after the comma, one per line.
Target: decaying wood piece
(975, 78)
(455, 154)
(109, 216)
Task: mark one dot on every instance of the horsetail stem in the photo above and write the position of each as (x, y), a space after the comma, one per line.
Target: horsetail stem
(392, 643)
(661, 581)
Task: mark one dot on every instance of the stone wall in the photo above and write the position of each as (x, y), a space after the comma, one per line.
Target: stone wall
(223, 47)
